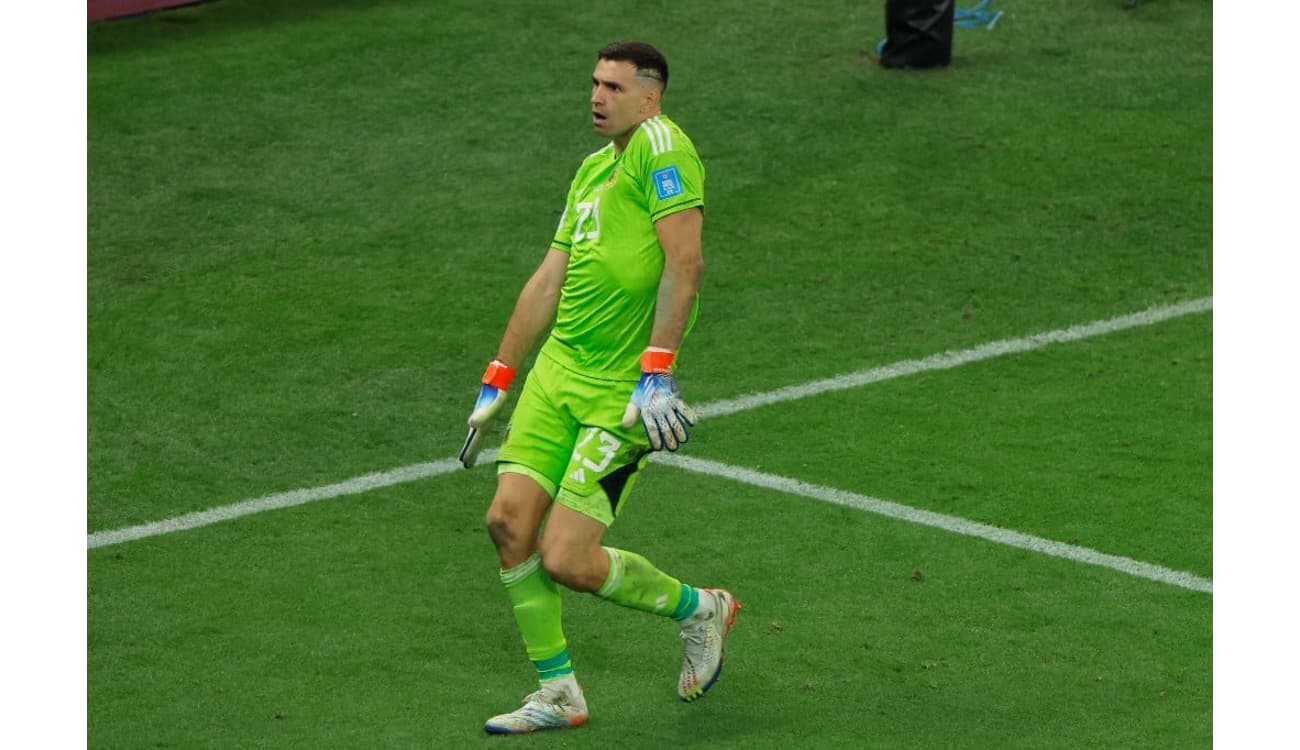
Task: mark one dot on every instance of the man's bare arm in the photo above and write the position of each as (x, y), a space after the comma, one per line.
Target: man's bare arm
(681, 236)
(535, 309)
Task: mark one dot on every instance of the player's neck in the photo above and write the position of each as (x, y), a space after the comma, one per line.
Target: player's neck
(620, 142)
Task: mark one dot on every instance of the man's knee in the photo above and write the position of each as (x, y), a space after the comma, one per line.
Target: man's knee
(565, 565)
(502, 524)
(514, 518)
(575, 560)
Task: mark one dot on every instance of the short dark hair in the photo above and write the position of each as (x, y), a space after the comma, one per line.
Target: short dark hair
(649, 62)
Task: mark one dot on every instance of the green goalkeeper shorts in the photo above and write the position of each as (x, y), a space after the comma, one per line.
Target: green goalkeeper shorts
(566, 433)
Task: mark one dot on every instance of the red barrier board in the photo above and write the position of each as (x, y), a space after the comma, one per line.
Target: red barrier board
(98, 10)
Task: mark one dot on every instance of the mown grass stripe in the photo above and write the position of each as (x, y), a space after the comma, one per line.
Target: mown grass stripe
(946, 360)
(953, 524)
(415, 472)
(353, 486)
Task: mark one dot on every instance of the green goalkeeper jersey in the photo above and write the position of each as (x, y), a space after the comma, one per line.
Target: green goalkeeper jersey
(607, 304)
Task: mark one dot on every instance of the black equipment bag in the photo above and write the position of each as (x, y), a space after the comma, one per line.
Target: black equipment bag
(919, 33)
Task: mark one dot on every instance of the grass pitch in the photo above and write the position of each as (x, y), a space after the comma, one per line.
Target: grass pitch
(307, 224)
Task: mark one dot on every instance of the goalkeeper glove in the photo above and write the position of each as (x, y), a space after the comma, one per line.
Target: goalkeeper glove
(491, 399)
(656, 400)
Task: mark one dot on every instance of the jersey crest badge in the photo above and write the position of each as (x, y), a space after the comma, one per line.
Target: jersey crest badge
(668, 182)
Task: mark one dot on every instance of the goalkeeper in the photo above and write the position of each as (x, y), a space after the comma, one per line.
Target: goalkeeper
(617, 292)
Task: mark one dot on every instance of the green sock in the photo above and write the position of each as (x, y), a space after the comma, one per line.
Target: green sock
(634, 582)
(536, 601)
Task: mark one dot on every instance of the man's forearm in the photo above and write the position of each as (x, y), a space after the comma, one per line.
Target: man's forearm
(677, 289)
(534, 310)
(532, 318)
(679, 236)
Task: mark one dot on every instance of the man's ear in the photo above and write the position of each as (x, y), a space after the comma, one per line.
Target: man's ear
(652, 98)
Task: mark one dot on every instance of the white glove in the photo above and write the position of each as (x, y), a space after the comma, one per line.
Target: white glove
(491, 400)
(658, 402)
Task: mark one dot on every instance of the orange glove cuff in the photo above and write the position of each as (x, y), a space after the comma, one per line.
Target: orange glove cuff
(499, 375)
(654, 359)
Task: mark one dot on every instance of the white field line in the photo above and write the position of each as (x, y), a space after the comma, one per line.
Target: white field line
(353, 486)
(938, 521)
(946, 360)
(413, 472)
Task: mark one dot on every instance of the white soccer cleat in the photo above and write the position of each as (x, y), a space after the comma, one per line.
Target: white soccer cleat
(551, 707)
(704, 634)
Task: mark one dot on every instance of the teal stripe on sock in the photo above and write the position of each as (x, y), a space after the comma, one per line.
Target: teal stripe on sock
(558, 660)
(554, 674)
(554, 667)
(687, 602)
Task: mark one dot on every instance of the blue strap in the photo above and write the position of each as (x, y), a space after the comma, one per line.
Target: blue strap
(979, 15)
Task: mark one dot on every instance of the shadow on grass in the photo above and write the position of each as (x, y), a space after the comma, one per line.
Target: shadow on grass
(206, 19)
